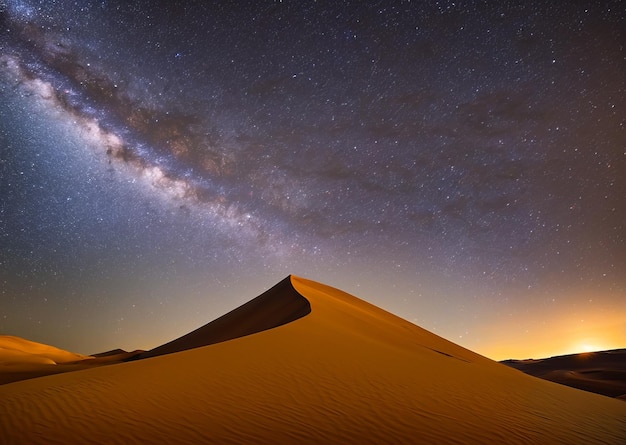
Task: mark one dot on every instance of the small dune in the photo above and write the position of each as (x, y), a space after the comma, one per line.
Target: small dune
(22, 359)
(16, 350)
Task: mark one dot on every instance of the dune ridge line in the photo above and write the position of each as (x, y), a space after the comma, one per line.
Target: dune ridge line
(279, 305)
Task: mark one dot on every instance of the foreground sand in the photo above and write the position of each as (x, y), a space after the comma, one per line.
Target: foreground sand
(348, 372)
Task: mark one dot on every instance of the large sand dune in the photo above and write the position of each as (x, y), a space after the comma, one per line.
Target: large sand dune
(347, 372)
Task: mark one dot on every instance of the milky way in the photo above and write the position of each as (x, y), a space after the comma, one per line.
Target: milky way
(461, 165)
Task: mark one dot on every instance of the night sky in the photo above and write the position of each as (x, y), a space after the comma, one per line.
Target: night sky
(460, 164)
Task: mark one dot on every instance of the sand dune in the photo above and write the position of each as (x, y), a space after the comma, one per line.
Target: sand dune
(347, 372)
(11, 357)
(279, 305)
(115, 356)
(602, 372)
(15, 350)
(22, 359)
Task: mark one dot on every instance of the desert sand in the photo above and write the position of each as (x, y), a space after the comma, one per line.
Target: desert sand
(15, 349)
(23, 359)
(345, 372)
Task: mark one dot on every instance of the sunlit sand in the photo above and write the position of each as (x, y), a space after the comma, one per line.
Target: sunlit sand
(306, 363)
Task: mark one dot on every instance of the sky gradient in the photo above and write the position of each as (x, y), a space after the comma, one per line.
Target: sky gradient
(461, 165)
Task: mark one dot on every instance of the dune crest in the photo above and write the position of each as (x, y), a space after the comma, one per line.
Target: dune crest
(277, 306)
(347, 372)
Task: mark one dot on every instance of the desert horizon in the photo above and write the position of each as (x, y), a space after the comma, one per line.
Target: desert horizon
(22, 351)
(302, 362)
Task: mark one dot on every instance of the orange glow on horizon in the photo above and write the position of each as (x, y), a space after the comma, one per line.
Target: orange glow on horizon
(553, 334)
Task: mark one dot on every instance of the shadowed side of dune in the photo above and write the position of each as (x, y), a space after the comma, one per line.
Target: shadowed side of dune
(277, 306)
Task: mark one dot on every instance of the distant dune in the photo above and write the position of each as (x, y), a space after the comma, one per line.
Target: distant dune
(345, 372)
(31, 352)
(602, 372)
(22, 359)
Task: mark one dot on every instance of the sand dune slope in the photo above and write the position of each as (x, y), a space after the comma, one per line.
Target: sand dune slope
(279, 305)
(348, 372)
(24, 359)
(16, 350)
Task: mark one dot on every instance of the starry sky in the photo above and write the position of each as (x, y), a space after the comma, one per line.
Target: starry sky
(460, 164)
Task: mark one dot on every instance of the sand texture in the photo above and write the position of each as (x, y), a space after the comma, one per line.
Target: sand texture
(347, 372)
